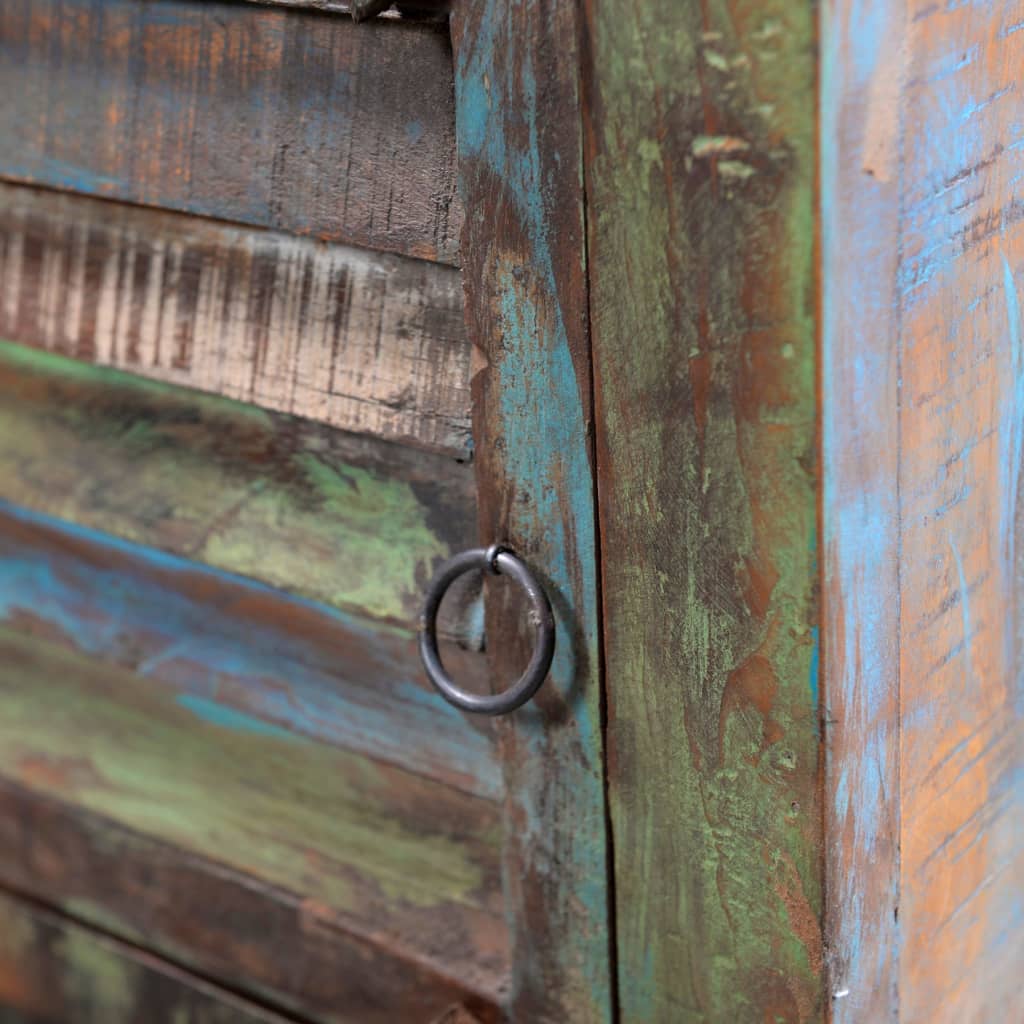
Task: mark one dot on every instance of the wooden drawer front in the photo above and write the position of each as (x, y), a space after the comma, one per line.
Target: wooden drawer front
(268, 117)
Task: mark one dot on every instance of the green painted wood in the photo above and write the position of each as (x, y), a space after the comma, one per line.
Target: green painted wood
(367, 848)
(53, 971)
(520, 151)
(228, 645)
(347, 521)
(701, 167)
(267, 941)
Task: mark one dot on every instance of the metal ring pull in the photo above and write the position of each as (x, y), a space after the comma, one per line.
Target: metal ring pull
(501, 561)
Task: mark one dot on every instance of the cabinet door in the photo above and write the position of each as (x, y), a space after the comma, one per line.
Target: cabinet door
(293, 310)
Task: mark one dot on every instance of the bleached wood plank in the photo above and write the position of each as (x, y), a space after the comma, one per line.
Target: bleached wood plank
(367, 342)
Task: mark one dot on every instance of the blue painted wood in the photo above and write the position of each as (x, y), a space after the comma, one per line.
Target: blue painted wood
(241, 653)
(519, 143)
(923, 418)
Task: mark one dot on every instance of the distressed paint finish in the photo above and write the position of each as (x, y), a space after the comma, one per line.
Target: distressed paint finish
(860, 211)
(941, 139)
(701, 165)
(223, 645)
(519, 144)
(54, 970)
(261, 939)
(365, 847)
(276, 118)
(346, 521)
(961, 431)
(367, 342)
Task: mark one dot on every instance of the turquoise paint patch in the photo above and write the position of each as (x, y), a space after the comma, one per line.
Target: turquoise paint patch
(546, 449)
(201, 647)
(229, 718)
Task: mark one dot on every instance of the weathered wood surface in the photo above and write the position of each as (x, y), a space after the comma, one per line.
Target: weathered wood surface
(363, 341)
(347, 521)
(230, 646)
(519, 125)
(861, 544)
(276, 118)
(53, 971)
(345, 845)
(260, 939)
(701, 165)
(923, 170)
(419, 9)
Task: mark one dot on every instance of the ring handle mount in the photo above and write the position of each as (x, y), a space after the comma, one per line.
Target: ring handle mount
(499, 559)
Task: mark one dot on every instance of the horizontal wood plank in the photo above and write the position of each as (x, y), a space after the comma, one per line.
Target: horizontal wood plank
(347, 521)
(224, 646)
(363, 341)
(421, 9)
(255, 114)
(257, 938)
(54, 971)
(363, 849)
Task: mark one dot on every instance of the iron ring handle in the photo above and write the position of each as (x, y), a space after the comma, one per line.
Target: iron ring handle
(501, 561)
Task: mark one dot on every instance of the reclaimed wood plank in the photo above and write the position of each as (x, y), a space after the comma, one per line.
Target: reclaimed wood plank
(366, 849)
(54, 970)
(961, 161)
(346, 521)
(367, 342)
(256, 938)
(701, 164)
(519, 141)
(226, 645)
(924, 173)
(265, 116)
(429, 9)
(860, 510)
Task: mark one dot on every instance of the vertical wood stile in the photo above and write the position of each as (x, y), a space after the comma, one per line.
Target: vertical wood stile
(701, 165)
(518, 126)
(860, 212)
(924, 397)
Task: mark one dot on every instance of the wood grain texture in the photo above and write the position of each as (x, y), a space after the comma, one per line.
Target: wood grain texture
(417, 9)
(224, 646)
(701, 165)
(53, 971)
(346, 521)
(257, 938)
(935, 140)
(860, 502)
(270, 117)
(370, 343)
(360, 848)
(519, 141)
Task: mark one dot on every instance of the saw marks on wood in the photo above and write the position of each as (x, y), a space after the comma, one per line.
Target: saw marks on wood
(367, 342)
